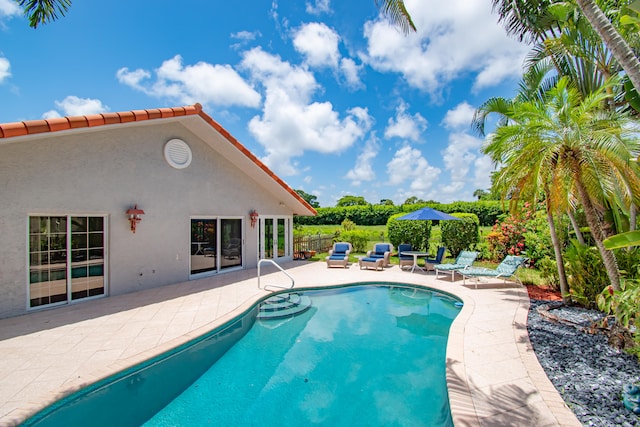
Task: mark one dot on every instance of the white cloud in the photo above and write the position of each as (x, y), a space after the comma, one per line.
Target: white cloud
(244, 38)
(246, 35)
(460, 117)
(291, 122)
(404, 125)
(75, 106)
(9, 9)
(202, 82)
(411, 173)
(133, 78)
(5, 66)
(363, 169)
(351, 72)
(319, 45)
(482, 172)
(318, 7)
(454, 38)
(460, 157)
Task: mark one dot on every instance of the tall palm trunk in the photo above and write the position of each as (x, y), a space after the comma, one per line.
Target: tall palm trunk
(576, 227)
(609, 259)
(616, 44)
(557, 249)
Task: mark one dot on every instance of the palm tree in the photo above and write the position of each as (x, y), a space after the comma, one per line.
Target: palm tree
(617, 45)
(568, 143)
(563, 37)
(518, 180)
(534, 20)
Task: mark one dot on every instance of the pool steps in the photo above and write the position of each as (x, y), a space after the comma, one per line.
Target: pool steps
(283, 305)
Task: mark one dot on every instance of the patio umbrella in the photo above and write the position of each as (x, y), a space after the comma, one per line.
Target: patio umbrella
(427, 213)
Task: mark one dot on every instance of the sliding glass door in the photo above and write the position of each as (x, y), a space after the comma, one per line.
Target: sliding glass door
(66, 259)
(216, 244)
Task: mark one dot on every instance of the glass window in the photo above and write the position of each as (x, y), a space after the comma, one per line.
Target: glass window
(281, 237)
(268, 238)
(274, 237)
(231, 243)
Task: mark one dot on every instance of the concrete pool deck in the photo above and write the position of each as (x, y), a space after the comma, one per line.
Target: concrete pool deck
(493, 374)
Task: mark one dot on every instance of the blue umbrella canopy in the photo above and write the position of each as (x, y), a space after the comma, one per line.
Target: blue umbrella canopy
(427, 213)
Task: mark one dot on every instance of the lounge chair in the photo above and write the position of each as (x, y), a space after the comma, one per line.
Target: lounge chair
(430, 263)
(505, 270)
(381, 250)
(404, 260)
(339, 255)
(464, 260)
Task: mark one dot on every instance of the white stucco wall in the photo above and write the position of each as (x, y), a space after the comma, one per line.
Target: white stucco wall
(107, 170)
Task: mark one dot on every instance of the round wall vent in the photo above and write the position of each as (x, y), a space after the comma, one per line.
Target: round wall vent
(177, 153)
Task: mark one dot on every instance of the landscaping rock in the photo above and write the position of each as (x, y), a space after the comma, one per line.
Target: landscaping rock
(590, 374)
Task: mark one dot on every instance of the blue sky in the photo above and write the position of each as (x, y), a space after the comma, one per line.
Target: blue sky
(330, 96)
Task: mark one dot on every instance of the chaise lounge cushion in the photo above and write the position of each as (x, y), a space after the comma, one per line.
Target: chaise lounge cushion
(464, 260)
(505, 270)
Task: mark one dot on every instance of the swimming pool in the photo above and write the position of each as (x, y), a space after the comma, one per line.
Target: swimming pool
(370, 354)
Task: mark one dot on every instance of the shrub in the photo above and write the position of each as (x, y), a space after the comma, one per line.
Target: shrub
(416, 233)
(629, 262)
(348, 225)
(507, 237)
(625, 306)
(460, 235)
(586, 274)
(359, 239)
(548, 268)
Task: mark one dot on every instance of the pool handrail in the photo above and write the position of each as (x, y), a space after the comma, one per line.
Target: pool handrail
(279, 268)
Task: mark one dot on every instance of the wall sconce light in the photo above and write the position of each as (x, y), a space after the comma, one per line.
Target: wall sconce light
(135, 216)
(253, 215)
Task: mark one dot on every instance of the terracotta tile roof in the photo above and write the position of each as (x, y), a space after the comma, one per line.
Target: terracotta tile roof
(32, 127)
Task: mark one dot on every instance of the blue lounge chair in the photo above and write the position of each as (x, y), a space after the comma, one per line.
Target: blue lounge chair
(381, 250)
(339, 255)
(430, 263)
(464, 260)
(505, 270)
(404, 260)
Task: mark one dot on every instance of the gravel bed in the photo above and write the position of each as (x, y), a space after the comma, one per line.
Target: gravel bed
(584, 368)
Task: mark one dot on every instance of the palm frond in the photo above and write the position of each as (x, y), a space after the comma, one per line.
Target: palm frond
(397, 13)
(44, 11)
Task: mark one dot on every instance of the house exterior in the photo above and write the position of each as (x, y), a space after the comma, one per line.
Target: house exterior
(114, 203)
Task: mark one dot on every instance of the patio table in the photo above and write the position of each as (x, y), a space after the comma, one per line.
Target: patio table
(415, 255)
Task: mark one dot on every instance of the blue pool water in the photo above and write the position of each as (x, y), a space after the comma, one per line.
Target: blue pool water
(362, 355)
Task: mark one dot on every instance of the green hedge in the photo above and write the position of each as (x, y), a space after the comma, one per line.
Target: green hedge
(487, 212)
(415, 232)
(461, 235)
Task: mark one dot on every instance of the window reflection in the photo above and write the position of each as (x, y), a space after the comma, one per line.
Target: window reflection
(231, 242)
(203, 245)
